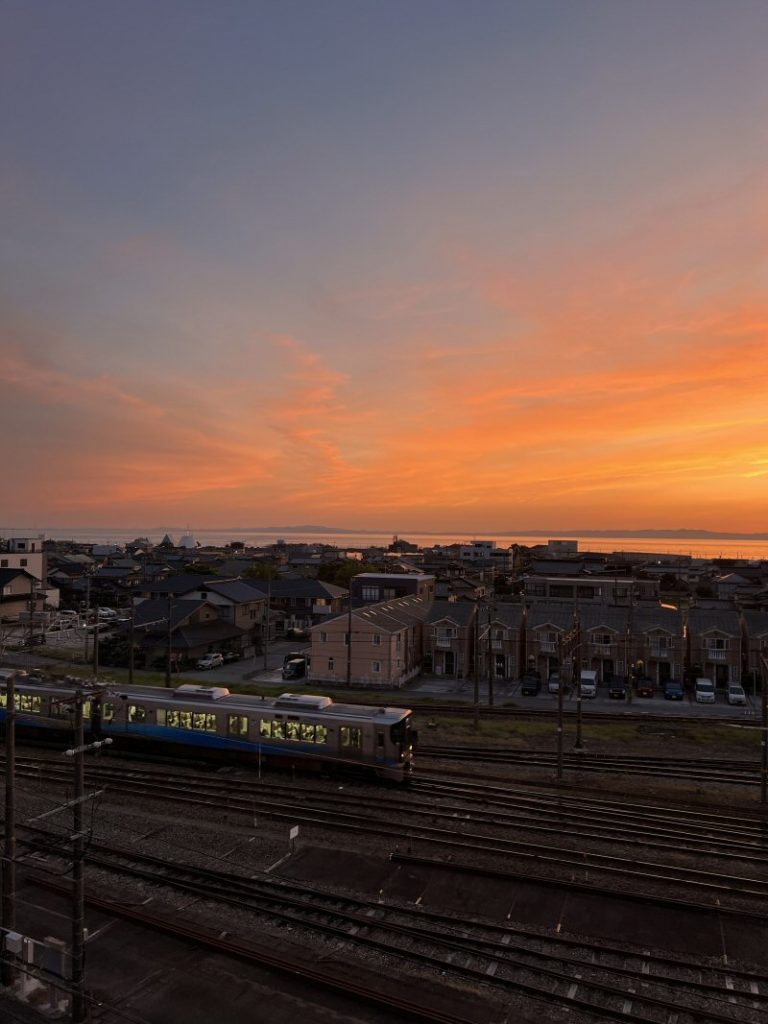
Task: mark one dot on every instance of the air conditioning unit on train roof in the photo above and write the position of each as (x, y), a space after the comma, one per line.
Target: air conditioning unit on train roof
(191, 692)
(302, 701)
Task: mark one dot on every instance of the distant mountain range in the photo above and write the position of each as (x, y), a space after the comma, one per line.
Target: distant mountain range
(684, 533)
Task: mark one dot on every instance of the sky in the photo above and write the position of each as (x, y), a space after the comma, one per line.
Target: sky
(426, 265)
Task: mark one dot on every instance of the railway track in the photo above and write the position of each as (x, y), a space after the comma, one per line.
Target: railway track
(601, 982)
(535, 829)
(721, 771)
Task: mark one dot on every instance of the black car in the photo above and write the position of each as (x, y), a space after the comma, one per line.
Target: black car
(531, 684)
(617, 688)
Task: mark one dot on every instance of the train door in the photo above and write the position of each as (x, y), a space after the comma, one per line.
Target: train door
(381, 746)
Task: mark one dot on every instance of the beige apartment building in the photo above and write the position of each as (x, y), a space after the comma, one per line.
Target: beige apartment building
(378, 645)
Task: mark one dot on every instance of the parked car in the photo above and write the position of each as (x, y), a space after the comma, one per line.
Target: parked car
(107, 613)
(588, 683)
(645, 687)
(617, 688)
(210, 661)
(674, 690)
(736, 694)
(531, 684)
(232, 656)
(705, 691)
(553, 683)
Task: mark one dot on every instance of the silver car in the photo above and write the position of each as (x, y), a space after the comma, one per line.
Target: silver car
(736, 694)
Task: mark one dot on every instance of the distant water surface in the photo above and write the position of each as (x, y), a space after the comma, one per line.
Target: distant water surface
(698, 548)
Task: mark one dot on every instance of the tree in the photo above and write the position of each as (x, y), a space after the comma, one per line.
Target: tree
(260, 571)
(340, 573)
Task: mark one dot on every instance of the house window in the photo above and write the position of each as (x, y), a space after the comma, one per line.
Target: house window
(376, 640)
(3, 563)
(602, 638)
(717, 644)
(376, 666)
(586, 591)
(22, 561)
(323, 638)
(330, 664)
(561, 590)
(346, 639)
(370, 593)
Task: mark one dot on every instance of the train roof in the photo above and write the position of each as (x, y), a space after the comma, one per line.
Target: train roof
(206, 697)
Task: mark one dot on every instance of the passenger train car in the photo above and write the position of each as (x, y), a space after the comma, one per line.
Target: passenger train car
(297, 729)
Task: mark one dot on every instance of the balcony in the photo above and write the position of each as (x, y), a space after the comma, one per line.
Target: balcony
(548, 646)
(322, 609)
(604, 649)
(497, 645)
(660, 650)
(444, 642)
(716, 654)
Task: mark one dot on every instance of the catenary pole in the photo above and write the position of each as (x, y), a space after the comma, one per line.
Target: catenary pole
(78, 857)
(9, 850)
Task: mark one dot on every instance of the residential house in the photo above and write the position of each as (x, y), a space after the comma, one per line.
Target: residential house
(196, 628)
(501, 641)
(450, 640)
(301, 603)
(714, 645)
(376, 587)
(658, 647)
(546, 627)
(754, 643)
(20, 594)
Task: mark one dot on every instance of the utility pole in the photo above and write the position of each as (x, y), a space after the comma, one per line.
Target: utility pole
(266, 619)
(87, 610)
(560, 688)
(131, 638)
(349, 640)
(476, 674)
(576, 676)
(96, 639)
(9, 851)
(169, 642)
(491, 611)
(78, 857)
(764, 732)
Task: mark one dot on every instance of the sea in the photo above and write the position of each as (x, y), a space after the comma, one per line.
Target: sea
(704, 547)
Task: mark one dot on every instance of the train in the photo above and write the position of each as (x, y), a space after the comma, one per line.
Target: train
(301, 730)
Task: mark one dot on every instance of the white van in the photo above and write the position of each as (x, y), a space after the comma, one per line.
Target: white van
(705, 691)
(588, 683)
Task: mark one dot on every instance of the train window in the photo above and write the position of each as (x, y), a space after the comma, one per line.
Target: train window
(185, 719)
(351, 737)
(292, 731)
(278, 730)
(107, 712)
(86, 709)
(161, 716)
(28, 702)
(307, 732)
(237, 725)
(209, 722)
(137, 713)
(171, 718)
(321, 734)
(198, 720)
(265, 729)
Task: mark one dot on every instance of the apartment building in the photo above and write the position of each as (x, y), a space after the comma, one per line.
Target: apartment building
(501, 642)
(449, 639)
(376, 587)
(377, 645)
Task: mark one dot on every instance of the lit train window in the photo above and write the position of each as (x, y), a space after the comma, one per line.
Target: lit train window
(87, 709)
(28, 702)
(137, 713)
(278, 730)
(237, 725)
(321, 734)
(265, 729)
(292, 731)
(307, 732)
(107, 712)
(351, 737)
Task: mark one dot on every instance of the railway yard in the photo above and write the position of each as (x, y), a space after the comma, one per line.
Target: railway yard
(484, 890)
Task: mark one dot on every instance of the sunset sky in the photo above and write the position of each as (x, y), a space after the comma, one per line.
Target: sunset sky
(394, 265)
